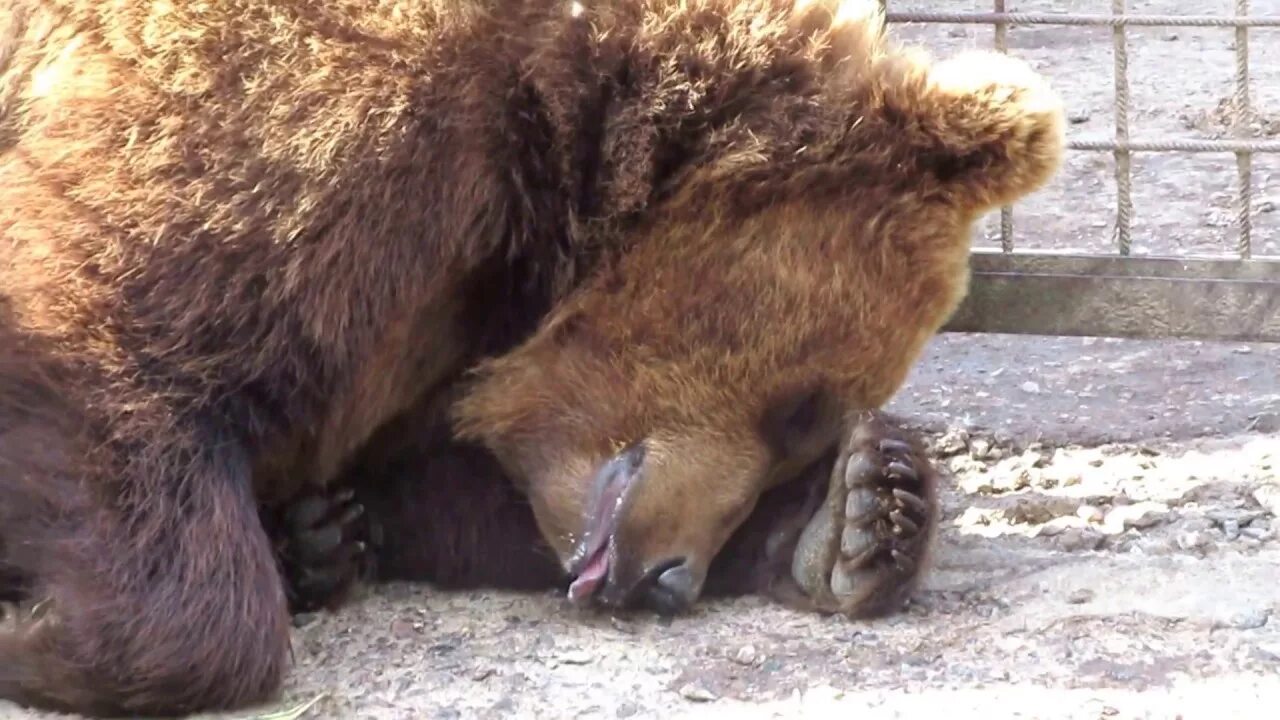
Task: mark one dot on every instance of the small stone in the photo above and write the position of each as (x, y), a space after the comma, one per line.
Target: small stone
(1010, 481)
(980, 448)
(1079, 117)
(1030, 387)
(1193, 540)
(1090, 513)
(1247, 619)
(402, 628)
(1139, 515)
(1080, 597)
(1241, 518)
(481, 673)
(1268, 496)
(1056, 526)
(746, 655)
(1269, 651)
(1078, 539)
(1256, 533)
(954, 442)
(1267, 422)
(1267, 206)
(575, 657)
(302, 620)
(957, 33)
(1169, 37)
(696, 692)
(1230, 529)
(626, 710)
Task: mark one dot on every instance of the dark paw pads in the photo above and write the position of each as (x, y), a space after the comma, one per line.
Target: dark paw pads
(862, 550)
(323, 549)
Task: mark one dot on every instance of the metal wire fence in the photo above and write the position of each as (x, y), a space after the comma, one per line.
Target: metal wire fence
(1122, 146)
(1120, 295)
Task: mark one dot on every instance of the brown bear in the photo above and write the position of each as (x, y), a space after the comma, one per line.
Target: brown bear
(628, 274)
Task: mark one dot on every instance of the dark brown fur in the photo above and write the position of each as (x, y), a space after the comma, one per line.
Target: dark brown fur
(237, 238)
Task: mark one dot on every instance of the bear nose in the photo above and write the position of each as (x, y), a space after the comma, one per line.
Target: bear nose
(669, 587)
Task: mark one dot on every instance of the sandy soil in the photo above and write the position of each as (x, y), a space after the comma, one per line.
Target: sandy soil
(1109, 546)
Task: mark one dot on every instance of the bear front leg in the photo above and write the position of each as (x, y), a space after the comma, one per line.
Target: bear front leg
(864, 549)
(153, 586)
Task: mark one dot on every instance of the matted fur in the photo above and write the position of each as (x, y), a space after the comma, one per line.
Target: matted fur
(238, 237)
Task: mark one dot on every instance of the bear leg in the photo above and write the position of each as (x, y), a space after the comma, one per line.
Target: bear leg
(153, 590)
(445, 512)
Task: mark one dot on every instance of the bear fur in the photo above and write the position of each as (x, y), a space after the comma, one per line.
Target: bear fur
(648, 251)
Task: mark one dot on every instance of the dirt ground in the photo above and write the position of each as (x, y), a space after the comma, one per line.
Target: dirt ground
(1109, 545)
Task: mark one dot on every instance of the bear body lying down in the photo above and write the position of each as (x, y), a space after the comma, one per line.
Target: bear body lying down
(594, 293)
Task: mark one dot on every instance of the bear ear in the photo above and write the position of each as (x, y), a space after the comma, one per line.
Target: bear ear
(986, 125)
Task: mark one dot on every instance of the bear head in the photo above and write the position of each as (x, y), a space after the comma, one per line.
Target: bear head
(788, 274)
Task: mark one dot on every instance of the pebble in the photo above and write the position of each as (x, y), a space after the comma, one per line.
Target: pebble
(402, 628)
(1193, 540)
(1076, 539)
(1138, 515)
(1241, 518)
(1256, 533)
(1057, 526)
(695, 692)
(1268, 496)
(1079, 117)
(626, 710)
(955, 441)
(1081, 596)
(1230, 529)
(1269, 651)
(980, 448)
(1090, 513)
(575, 657)
(1267, 422)
(1248, 619)
(1030, 387)
(746, 655)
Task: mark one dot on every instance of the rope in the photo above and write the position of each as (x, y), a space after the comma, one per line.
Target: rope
(1006, 212)
(1222, 146)
(1240, 112)
(1073, 19)
(1124, 189)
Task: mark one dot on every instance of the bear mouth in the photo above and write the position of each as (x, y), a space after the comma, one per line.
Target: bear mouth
(595, 555)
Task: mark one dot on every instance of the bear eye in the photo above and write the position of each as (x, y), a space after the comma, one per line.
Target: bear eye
(801, 424)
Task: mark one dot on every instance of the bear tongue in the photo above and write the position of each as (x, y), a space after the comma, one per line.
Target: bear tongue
(589, 580)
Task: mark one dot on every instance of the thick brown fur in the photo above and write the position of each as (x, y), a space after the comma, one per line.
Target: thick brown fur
(238, 238)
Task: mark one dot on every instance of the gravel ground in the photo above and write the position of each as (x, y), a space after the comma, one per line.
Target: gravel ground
(1109, 546)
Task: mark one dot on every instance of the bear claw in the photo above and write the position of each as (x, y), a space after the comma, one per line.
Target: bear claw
(322, 549)
(863, 549)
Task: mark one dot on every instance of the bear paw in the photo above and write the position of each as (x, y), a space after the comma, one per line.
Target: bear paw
(862, 551)
(322, 548)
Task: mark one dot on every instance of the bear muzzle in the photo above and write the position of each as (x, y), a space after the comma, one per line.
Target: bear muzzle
(605, 571)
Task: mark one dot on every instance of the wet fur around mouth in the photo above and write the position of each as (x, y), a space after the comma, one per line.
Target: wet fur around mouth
(592, 564)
